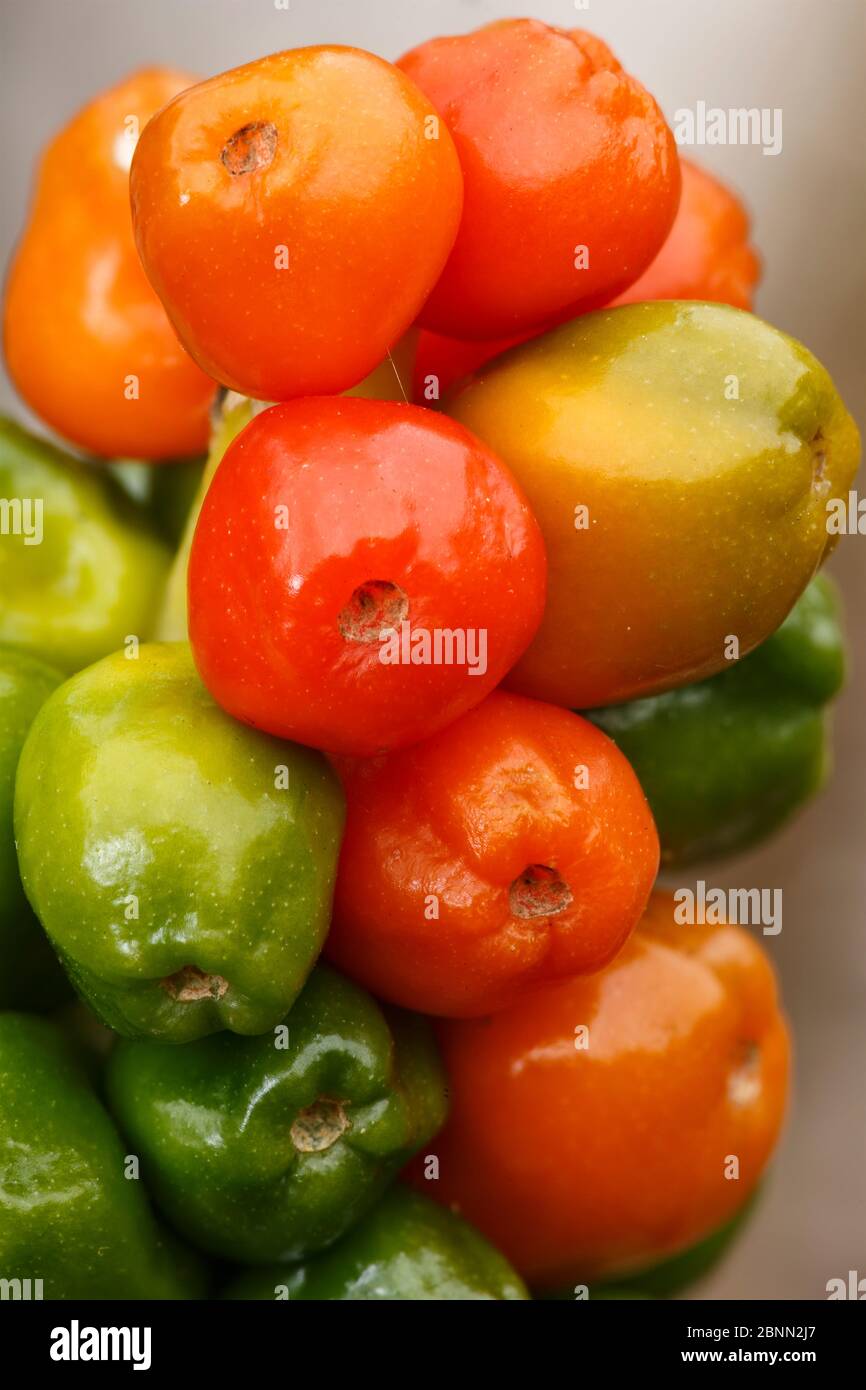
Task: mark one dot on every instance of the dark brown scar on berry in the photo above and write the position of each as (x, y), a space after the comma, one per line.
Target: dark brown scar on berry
(190, 984)
(373, 608)
(250, 148)
(539, 892)
(319, 1126)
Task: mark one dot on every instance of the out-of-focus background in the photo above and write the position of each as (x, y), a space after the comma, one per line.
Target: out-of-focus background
(809, 209)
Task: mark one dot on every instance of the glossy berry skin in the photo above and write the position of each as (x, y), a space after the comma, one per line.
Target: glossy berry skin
(708, 254)
(406, 1249)
(69, 1214)
(560, 150)
(592, 1125)
(293, 215)
(270, 1148)
(727, 761)
(98, 574)
(30, 974)
(677, 1274)
(680, 458)
(513, 848)
(182, 865)
(332, 522)
(441, 361)
(87, 342)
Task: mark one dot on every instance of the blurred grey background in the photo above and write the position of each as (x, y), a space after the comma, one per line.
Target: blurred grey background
(809, 209)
